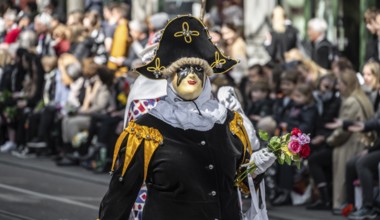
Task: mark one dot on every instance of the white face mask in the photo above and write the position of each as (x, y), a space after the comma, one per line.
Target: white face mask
(188, 81)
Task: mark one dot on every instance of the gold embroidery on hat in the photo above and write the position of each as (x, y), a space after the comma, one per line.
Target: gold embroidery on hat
(218, 62)
(186, 32)
(157, 70)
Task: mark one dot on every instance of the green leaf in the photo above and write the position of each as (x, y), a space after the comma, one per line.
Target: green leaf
(298, 164)
(281, 159)
(288, 160)
(287, 137)
(296, 157)
(275, 143)
(263, 135)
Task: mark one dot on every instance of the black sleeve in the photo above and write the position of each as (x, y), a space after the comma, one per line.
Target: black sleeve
(323, 57)
(39, 81)
(121, 195)
(372, 125)
(347, 124)
(371, 49)
(308, 118)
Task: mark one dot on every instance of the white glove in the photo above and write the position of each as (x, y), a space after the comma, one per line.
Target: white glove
(263, 160)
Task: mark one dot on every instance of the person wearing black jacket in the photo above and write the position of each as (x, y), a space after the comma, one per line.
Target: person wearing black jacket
(283, 36)
(365, 168)
(372, 49)
(320, 160)
(319, 48)
(189, 148)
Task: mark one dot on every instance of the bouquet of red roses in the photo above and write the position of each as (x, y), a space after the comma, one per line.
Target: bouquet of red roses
(288, 148)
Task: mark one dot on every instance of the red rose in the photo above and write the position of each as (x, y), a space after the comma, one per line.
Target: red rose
(294, 147)
(296, 132)
(305, 151)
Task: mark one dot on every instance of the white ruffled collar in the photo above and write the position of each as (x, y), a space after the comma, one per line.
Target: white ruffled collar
(200, 114)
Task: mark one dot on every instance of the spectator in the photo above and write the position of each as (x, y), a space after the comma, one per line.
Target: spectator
(93, 6)
(25, 85)
(25, 22)
(75, 18)
(340, 65)
(235, 47)
(364, 167)
(281, 108)
(106, 126)
(61, 37)
(121, 40)
(355, 106)
(80, 46)
(309, 69)
(259, 105)
(32, 92)
(320, 160)
(28, 40)
(303, 114)
(108, 25)
(283, 36)
(42, 29)
(96, 38)
(371, 75)
(255, 73)
(289, 80)
(320, 49)
(95, 100)
(372, 51)
(139, 34)
(12, 28)
(37, 118)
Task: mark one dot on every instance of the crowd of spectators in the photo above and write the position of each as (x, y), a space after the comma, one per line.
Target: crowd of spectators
(64, 85)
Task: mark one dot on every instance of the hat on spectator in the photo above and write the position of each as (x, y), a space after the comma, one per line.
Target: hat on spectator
(159, 20)
(186, 37)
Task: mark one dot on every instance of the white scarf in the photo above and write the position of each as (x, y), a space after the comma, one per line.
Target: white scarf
(200, 114)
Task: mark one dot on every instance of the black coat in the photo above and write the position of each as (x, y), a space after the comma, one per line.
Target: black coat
(303, 117)
(190, 176)
(329, 113)
(260, 108)
(372, 50)
(282, 42)
(322, 53)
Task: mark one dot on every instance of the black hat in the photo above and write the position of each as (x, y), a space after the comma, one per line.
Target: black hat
(185, 37)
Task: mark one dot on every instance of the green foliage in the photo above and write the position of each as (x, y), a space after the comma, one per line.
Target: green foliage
(281, 159)
(288, 160)
(10, 112)
(263, 135)
(5, 95)
(275, 144)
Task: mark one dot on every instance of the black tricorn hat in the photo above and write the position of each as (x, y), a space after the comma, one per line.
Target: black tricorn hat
(185, 37)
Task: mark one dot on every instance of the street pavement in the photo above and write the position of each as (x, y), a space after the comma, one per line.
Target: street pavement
(37, 189)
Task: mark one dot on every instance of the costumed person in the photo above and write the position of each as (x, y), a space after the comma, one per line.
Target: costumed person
(143, 97)
(189, 148)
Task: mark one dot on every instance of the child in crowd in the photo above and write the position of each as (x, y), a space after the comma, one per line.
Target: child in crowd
(260, 105)
(303, 112)
(280, 194)
(320, 160)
